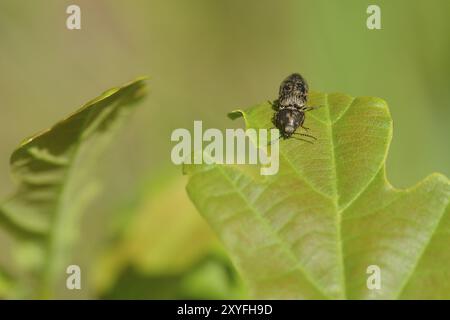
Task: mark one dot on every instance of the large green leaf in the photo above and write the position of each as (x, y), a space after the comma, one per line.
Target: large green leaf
(55, 180)
(154, 241)
(312, 230)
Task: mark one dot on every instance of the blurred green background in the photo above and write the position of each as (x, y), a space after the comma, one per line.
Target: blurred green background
(143, 238)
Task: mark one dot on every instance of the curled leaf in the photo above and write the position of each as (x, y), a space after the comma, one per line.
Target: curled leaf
(53, 171)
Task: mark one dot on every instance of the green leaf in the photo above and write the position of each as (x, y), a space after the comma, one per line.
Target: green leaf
(209, 278)
(55, 180)
(312, 230)
(166, 251)
(154, 242)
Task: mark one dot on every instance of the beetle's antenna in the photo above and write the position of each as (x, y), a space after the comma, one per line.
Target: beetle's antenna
(303, 140)
(306, 135)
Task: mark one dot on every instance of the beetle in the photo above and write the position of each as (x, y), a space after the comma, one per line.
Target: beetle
(290, 107)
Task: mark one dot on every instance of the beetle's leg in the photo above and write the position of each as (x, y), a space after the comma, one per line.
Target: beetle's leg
(311, 108)
(274, 120)
(302, 120)
(274, 104)
(301, 124)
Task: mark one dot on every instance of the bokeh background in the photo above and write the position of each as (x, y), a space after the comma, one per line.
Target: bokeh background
(143, 238)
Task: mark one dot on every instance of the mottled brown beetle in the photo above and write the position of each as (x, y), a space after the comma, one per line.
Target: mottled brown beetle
(291, 106)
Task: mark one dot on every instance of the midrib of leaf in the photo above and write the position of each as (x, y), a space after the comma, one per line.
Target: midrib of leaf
(334, 199)
(283, 245)
(339, 243)
(59, 219)
(340, 211)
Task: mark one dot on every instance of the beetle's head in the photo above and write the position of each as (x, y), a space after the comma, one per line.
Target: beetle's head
(288, 120)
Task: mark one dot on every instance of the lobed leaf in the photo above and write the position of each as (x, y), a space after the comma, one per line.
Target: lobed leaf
(312, 230)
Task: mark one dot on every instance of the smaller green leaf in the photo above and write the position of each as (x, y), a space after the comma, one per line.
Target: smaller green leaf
(209, 278)
(53, 170)
(154, 241)
(166, 251)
